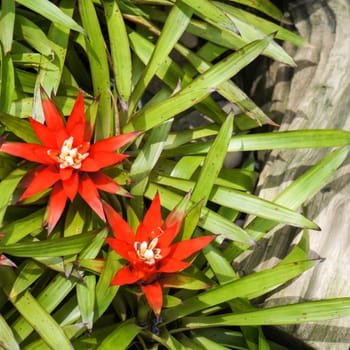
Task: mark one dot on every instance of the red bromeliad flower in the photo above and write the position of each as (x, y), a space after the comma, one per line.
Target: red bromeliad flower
(150, 254)
(69, 163)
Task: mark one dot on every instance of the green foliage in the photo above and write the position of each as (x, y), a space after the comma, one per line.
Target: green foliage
(137, 72)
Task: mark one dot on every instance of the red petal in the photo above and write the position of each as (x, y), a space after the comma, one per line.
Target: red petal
(105, 183)
(71, 185)
(45, 135)
(104, 159)
(76, 121)
(172, 265)
(120, 227)
(152, 221)
(89, 193)
(168, 235)
(113, 143)
(89, 164)
(57, 203)
(123, 248)
(153, 216)
(29, 151)
(182, 250)
(42, 179)
(124, 276)
(154, 296)
(53, 118)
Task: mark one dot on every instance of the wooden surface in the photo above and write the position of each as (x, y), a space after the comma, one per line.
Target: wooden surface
(317, 96)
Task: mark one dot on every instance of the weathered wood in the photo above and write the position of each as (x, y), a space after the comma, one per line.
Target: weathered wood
(317, 96)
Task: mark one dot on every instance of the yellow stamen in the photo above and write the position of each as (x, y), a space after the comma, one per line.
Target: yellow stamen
(70, 157)
(148, 252)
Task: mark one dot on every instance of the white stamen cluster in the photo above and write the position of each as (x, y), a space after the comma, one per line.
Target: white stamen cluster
(70, 157)
(148, 252)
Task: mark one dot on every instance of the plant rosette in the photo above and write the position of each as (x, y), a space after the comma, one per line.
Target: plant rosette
(69, 162)
(153, 260)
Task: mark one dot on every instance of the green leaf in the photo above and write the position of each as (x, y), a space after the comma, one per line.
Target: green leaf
(96, 52)
(312, 311)
(86, 299)
(50, 70)
(250, 32)
(175, 24)
(56, 247)
(7, 79)
(50, 297)
(50, 11)
(197, 90)
(19, 228)
(275, 140)
(77, 216)
(302, 188)
(207, 11)
(122, 336)
(147, 157)
(223, 336)
(254, 205)
(264, 25)
(19, 127)
(120, 50)
(7, 187)
(213, 163)
(7, 22)
(33, 35)
(181, 280)
(42, 322)
(7, 339)
(265, 6)
(241, 201)
(250, 287)
(105, 293)
(29, 273)
(170, 73)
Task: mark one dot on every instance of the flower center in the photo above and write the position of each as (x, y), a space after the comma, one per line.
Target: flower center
(69, 156)
(148, 252)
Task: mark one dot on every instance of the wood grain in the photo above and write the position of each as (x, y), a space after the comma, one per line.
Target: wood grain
(316, 94)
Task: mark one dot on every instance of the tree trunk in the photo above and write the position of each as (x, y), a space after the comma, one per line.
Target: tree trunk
(315, 97)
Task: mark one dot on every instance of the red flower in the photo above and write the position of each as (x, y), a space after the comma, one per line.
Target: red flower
(150, 254)
(69, 163)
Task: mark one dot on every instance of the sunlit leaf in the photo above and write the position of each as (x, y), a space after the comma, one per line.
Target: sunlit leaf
(52, 12)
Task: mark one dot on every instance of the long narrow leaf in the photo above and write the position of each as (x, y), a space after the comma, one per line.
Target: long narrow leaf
(7, 22)
(122, 336)
(174, 27)
(7, 187)
(250, 287)
(302, 188)
(58, 247)
(51, 69)
(213, 163)
(120, 50)
(86, 299)
(148, 156)
(52, 12)
(99, 67)
(267, 141)
(198, 89)
(7, 339)
(312, 311)
(42, 322)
